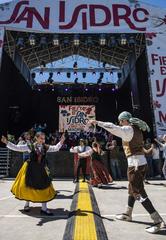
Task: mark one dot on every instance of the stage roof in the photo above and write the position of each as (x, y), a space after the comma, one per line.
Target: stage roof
(34, 55)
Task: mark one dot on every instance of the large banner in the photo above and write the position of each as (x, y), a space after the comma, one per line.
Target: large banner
(2, 32)
(74, 118)
(156, 48)
(86, 16)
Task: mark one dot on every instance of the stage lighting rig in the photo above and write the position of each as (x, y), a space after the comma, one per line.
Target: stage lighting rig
(89, 41)
(123, 40)
(43, 42)
(76, 40)
(131, 41)
(113, 42)
(102, 40)
(20, 43)
(32, 40)
(55, 40)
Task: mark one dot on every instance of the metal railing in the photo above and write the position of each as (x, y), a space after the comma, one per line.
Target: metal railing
(5, 156)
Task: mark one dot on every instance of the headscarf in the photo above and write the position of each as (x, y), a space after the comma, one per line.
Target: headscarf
(143, 126)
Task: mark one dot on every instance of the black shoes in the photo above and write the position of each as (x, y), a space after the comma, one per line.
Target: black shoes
(26, 209)
(76, 180)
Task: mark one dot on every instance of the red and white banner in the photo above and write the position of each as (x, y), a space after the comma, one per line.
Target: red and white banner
(74, 118)
(2, 32)
(156, 49)
(86, 16)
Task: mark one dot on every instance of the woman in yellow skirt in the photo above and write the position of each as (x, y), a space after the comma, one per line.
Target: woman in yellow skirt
(33, 182)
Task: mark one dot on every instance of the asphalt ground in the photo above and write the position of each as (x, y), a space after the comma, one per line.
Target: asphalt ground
(104, 204)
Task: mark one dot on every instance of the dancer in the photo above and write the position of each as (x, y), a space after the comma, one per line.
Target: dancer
(132, 138)
(99, 171)
(81, 162)
(33, 182)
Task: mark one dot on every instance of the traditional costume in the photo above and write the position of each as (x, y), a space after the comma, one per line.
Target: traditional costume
(33, 182)
(82, 163)
(100, 174)
(132, 140)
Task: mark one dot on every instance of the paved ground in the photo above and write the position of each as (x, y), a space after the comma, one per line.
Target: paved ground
(14, 224)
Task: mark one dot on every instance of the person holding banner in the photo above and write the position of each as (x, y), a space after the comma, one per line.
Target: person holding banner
(130, 131)
(33, 182)
(80, 163)
(100, 174)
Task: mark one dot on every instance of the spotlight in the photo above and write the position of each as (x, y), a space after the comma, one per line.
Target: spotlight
(99, 81)
(94, 73)
(113, 89)
(32, 40)
(102, 40)
(43, 42)
(113, 42)
(75, 73)
(33, 75)
(119, 75)
(76, 81)
(86, 89)
(123, 40)
(75, 65)
(66, 42)
(58, 73)
(104, 64)
(66, 89)
(50, 80)
(51, 74)
(20, 43)
(84, 75)
(76, 40)
(111, 73)
(100, 89)
(55, 40)
(43, 64)
(131, 41)
(89, 42)
(68, 74)
(101, 75)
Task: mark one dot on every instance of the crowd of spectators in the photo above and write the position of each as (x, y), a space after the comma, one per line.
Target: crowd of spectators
(154, 152)
(72, 138)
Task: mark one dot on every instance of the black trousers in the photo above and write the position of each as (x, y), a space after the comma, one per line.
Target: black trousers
(81, 165)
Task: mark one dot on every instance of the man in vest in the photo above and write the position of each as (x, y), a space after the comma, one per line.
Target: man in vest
(130, 131)
(82, 162)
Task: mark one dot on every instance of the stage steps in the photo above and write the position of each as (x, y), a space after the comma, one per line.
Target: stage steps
(5, 156)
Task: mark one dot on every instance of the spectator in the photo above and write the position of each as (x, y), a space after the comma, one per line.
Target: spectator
(164, 153)
(156, 161)
(114, 159)
(149, 157)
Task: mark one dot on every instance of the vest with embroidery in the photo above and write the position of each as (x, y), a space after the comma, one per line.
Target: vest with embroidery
(135, 146)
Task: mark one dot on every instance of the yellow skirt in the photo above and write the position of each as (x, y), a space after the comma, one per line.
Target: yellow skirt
(22, 192)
